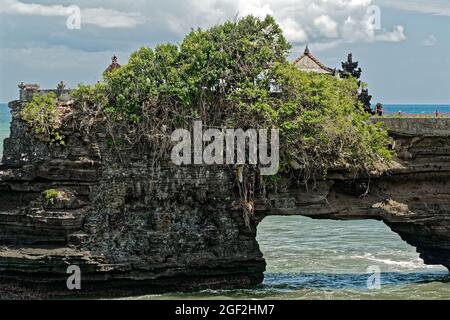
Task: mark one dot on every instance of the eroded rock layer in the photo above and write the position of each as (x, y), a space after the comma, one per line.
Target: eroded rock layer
(412, 197)
(126, 224)
(133, 225)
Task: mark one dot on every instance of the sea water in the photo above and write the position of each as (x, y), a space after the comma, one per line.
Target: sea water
(5, 119)
(321, 259)
(416, 109)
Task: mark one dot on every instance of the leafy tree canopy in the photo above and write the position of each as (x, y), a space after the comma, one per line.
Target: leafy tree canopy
(350, 68)
(43, 117)
(226, 76)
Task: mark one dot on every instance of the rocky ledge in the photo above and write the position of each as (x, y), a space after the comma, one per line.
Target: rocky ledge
(132, 227)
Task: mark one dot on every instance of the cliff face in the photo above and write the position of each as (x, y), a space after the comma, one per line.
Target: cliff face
(134, 226)
(412, 198)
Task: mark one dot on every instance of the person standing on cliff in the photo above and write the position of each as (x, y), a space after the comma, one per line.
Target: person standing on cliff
(379, 109)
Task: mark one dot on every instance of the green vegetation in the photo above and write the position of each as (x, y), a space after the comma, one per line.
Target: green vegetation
(43, 117)
(236, 75)
(224, 77)
(50, 196)
(350, 69)
(323, 125)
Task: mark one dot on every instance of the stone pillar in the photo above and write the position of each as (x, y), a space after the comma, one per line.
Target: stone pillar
(22, 91)
(60, 89)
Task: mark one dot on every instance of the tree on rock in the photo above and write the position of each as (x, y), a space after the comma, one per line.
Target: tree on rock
(365, 98)
(350, 69)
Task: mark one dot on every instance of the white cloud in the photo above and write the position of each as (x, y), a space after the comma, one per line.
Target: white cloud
(398, 34)
(430, 41)
(435, 7)
(327, 26)
(322, 46)
(255, 8)
(336, 21)
(101, 17)
(17, 7)
(328, 22)
(293, 30)
(107, 18)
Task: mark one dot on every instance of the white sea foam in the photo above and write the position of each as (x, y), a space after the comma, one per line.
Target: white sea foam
(412, 264)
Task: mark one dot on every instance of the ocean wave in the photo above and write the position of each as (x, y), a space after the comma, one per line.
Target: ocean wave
(413, 264)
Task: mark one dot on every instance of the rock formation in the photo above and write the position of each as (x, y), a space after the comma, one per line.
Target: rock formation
(134, 227)
(412, 197)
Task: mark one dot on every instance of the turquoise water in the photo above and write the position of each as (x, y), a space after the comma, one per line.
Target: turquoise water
(416, 108)
(320, 259)
(5, 119)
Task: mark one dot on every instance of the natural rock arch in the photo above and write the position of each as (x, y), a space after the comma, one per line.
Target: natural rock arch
(171, 227)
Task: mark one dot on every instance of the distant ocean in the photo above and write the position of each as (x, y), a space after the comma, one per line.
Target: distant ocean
(5, 119)
(416, 108)
(315, 259)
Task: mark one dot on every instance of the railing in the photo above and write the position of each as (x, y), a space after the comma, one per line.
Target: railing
(416, 125)
(401, 114)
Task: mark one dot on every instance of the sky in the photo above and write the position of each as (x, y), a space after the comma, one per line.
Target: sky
(402, 45)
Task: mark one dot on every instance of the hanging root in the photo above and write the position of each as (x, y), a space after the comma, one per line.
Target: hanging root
(246, 177)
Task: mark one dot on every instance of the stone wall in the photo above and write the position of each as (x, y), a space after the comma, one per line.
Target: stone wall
(27, 91)
(417, 126)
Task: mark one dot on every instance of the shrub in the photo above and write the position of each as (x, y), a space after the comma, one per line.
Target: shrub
(50, 196)
(43, 117)
(223, 76)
